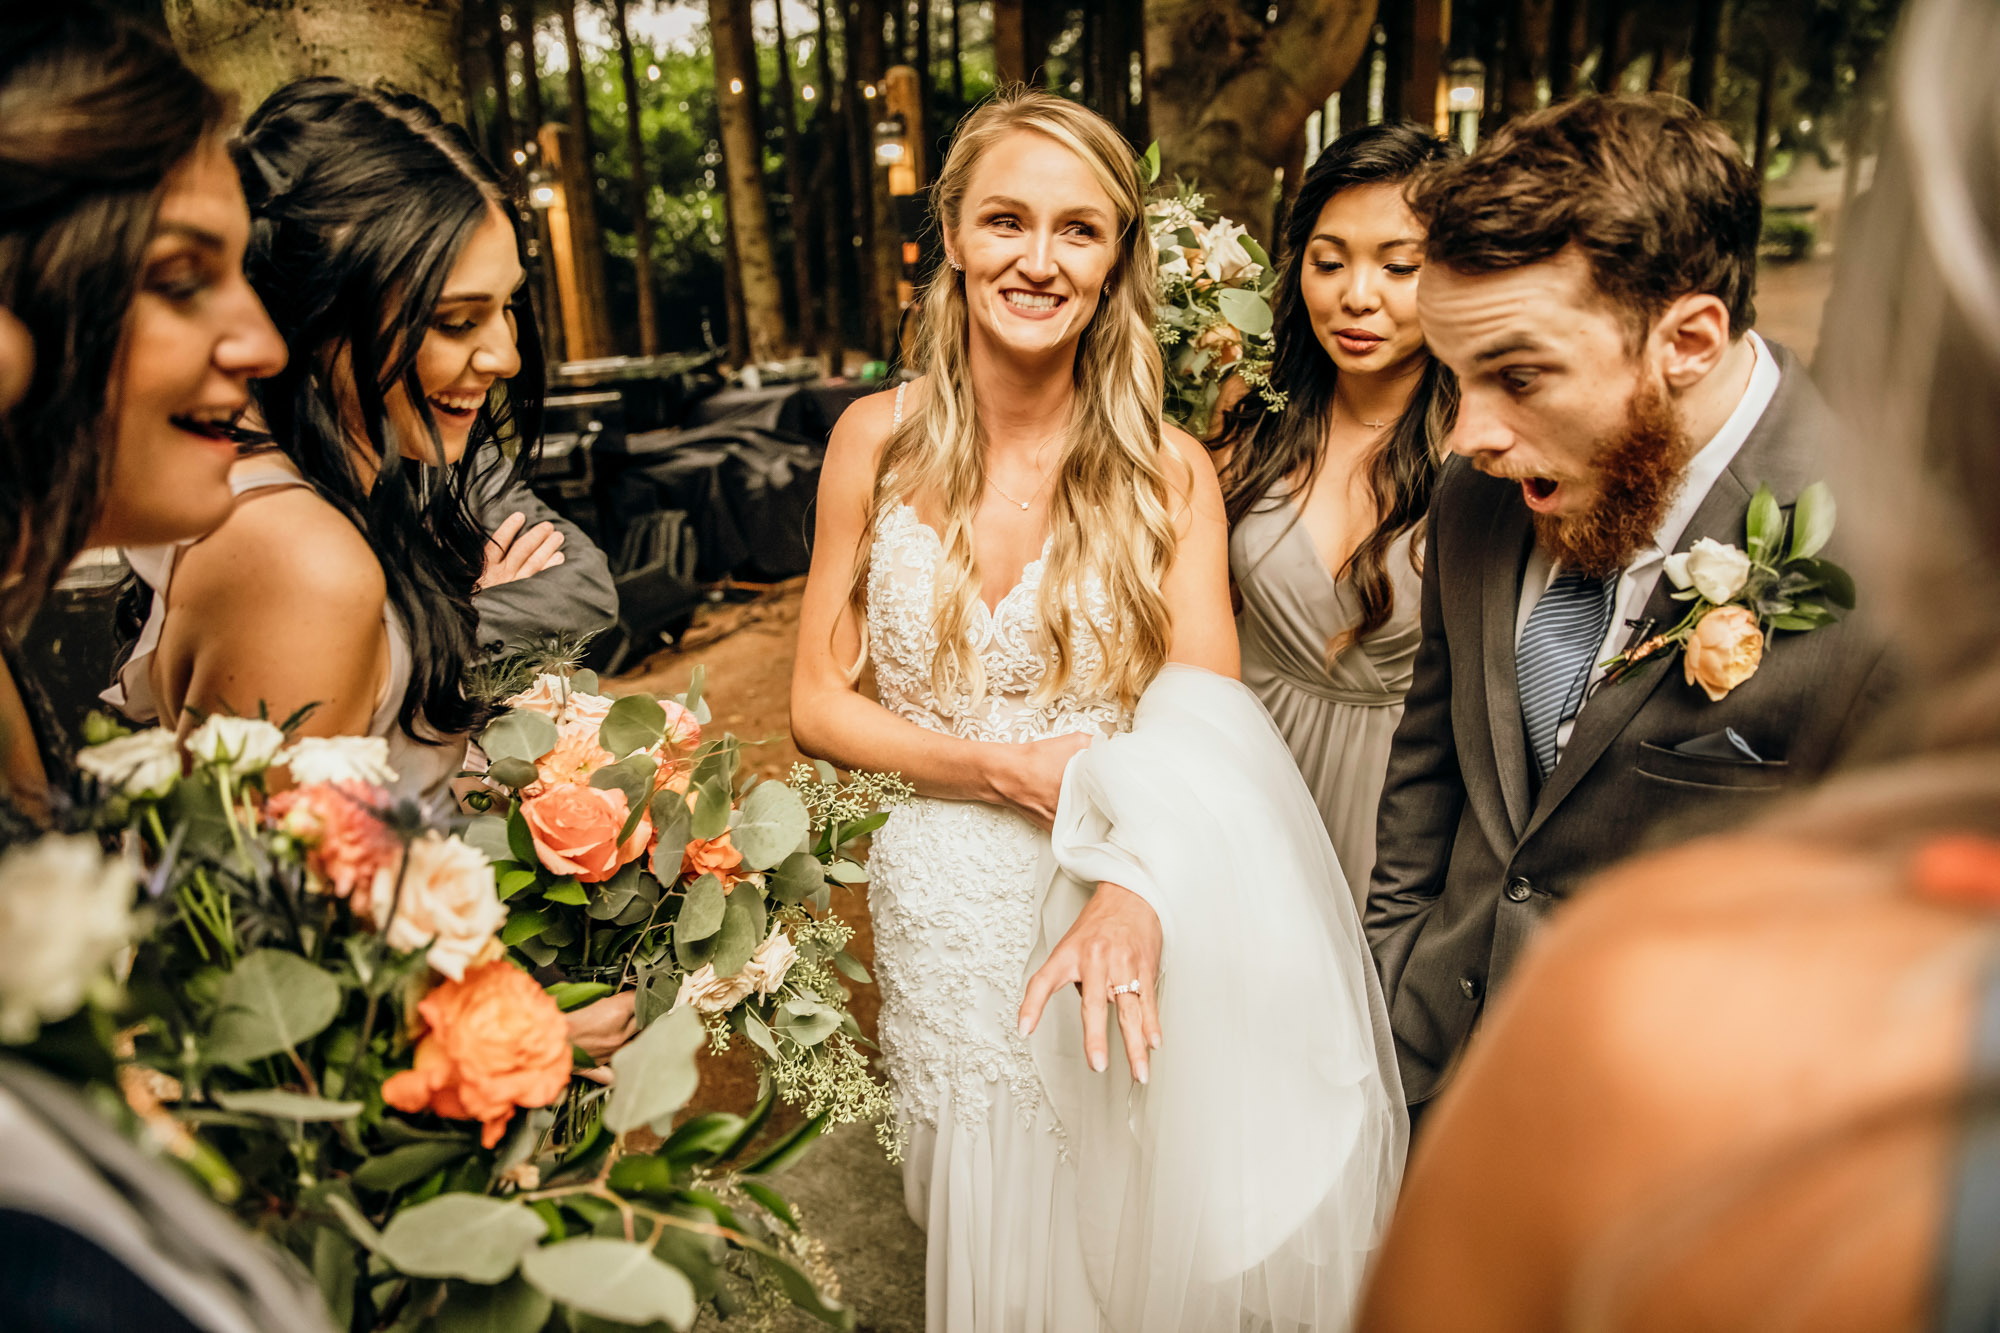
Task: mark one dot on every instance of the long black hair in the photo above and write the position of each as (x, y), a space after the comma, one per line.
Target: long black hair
(1281, 453)
(361, 202)
(95, 114)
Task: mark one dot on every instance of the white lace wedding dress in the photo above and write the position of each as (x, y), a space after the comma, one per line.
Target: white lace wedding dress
(1246, 1188)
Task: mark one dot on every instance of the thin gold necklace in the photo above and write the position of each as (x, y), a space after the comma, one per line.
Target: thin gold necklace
(1022, 505)
(1372, 425)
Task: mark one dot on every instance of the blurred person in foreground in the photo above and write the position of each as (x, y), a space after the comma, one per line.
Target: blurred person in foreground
(1589, 278)
(1752, 1083)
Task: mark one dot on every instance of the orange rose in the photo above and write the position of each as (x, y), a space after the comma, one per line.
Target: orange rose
(575, 830)
(717, 856)
(1724, 651)
(577, 754)
(683, 729)
(346, 845)
(496, 1041)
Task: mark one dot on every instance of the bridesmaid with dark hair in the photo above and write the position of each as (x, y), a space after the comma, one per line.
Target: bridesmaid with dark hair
(1326, 499)
(122, 232)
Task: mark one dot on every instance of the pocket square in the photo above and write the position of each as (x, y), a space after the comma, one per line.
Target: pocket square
(1725, 744)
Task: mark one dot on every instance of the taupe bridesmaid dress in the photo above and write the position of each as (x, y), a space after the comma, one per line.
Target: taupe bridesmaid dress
(1339, 717)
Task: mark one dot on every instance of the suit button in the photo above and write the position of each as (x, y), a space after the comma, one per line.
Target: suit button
(1518, 890)
(1470, 986)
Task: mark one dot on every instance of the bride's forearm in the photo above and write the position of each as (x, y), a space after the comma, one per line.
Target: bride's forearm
(845, 729)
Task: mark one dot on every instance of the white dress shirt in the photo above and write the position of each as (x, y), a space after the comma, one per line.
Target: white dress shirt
(1638, 579)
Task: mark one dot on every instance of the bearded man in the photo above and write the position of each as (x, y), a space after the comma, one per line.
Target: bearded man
(1588, 276)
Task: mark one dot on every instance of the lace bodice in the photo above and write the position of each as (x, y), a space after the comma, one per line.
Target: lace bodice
(902, 578)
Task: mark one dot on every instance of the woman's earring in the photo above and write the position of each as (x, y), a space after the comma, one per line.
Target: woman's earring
(956, 267)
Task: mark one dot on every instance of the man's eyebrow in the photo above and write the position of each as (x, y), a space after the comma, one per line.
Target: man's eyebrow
(187, 231)
(1507, 348)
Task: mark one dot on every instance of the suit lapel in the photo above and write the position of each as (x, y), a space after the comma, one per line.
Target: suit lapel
(1506, 549)
(1780, 451)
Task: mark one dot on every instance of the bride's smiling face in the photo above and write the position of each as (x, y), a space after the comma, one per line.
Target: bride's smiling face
(1037, 238)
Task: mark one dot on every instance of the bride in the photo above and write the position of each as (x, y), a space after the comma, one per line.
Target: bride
(1037, 569)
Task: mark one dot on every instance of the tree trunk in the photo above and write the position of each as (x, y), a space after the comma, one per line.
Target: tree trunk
(1666, 55)
(583, 205)
(1010, 42)
(899, 31)
(531, 69)
(1354, 94)
(795, 185)
(926, 81)
(250, 48)
(1767, 92)
(732, 289)
(1562, 50)
(830, 124)
(1396, 20)
(743, 163)
(1611, 45)
(1860, 128)
(1703, 46)
(506, 137)
(861, 167)
(1138, 116)
(1527, 40)
(637, 190)
(1425, 66)
(957, 58)
(866, 66)
(1229, 93)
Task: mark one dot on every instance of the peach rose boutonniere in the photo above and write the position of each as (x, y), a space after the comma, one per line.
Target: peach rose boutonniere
(494, 1041)
(1741, 597)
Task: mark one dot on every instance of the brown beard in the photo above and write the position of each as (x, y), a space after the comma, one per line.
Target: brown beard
(1639, 470)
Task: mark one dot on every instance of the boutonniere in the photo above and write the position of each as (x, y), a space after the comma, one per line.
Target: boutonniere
(1740, 597)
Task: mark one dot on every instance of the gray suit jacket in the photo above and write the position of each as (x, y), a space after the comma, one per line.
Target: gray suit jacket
(1470, 855)
(576, 597)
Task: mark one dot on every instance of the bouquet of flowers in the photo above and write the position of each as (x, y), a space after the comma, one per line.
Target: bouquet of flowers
(628, 857)
(1214, 314)
(331, 1028)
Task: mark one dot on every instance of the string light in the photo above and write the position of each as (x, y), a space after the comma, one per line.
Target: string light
(807, 92)
(736, 85)
(653, 73)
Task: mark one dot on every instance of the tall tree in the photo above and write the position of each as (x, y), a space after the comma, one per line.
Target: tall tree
(957, 57)
(638, 190)
(795, 186)
(735, 56)
(1010, 42)
(531, 67)
(866, 63)
(830, 125)
(588, 233)
(252, 47)
(506, 137)
(1704, 46)
(1230, 90)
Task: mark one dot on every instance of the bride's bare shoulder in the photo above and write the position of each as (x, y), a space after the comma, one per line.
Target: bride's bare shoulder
(286, 543)
(854, 449)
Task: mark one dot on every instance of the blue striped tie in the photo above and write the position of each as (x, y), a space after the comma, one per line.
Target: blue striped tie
(1557, 650)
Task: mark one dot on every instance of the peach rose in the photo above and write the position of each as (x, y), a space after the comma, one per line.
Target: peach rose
(683, 729)
(577, 754)
(1223, 339)
(773, 959)
(575, 830)
(446, 903)
(495, 1041)
(1724, 651)
(718, 857)
(710, 994)
(553, 698)
(346, 845)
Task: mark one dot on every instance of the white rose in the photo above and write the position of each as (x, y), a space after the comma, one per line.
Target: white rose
(1714, 569)
(1223, 255)
(65, 912)
(552, 697)
(773, 959)
(710, 994)
(144, 765)
(243, 744)
(316, 759)
(1173, 263)
(448, 903)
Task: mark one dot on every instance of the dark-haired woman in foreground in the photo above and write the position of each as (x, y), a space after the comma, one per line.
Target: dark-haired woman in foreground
(1326, 499)
(1753, 1084)
(122, 230)
(344, 577)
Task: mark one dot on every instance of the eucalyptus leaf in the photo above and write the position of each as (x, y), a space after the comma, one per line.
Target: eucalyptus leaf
(743, 922)
(467, 1236)
(270, 1002)
(656, 1072)
(702, 910)
(806, 1022)
(770, 826)
(537, 953)
(584, 682)
(851, 967)
(795, 878)
(656, 994)
(510, 882)
(1765, 526)
(847, 872)
(613, 896)
(281, 1105)
(633, 776)
(773, 1202)
(1812, 520)
(691, 697)
(408, 1164)
(1257, 254)
(519, 840)
(515, 773)
(612, 1279)
(1249, 312)
(759, 1032)
(518, 733)
(488, 833)
(636, 722)
(513, 1306)
(711, 811)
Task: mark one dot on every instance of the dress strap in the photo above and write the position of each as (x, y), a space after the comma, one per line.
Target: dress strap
(898, 419)
(1965, 872)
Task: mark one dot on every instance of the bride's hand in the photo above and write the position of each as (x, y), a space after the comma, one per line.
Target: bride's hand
(1029, 776)
(1116, 940)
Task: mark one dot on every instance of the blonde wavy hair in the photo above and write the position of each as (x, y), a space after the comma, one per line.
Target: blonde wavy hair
(1110, 510)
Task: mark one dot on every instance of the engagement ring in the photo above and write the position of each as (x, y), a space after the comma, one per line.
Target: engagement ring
(1129, 988)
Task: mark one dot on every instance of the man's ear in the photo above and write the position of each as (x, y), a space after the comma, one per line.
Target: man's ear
(1690, 338)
